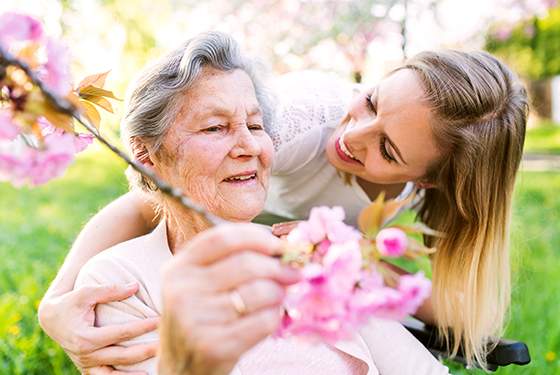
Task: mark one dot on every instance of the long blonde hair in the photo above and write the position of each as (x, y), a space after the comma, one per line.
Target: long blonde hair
(480, 110)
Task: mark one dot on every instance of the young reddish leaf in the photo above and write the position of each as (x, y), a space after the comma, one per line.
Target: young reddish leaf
(100, 101)
(91, 113)
(393, 207)
(95, 80)
(370, 218)
(96, 91)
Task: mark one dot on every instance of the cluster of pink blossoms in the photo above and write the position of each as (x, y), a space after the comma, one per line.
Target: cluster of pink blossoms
(25, 156)
(338, 292)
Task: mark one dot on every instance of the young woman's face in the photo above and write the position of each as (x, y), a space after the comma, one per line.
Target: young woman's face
(386, 137)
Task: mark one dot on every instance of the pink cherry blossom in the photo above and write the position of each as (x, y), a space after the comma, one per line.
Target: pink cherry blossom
(19, 28)
(317, 307)
(391, 242)
(325, 223)
(81, 140)
(337, 294)
(31, 166)
(8, 129)
(55, 73)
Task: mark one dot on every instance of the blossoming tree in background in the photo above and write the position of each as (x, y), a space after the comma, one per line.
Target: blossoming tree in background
(344, 282)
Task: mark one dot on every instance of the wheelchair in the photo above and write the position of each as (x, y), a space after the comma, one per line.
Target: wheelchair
(506, 352)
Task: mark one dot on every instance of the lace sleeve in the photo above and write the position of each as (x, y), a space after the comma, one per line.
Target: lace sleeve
(308, 104)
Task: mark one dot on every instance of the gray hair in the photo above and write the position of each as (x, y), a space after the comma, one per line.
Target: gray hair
(152, 104)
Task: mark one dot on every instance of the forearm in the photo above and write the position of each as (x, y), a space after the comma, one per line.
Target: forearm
(121, 220)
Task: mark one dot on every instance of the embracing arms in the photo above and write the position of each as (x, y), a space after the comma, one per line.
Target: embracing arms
(66, 315)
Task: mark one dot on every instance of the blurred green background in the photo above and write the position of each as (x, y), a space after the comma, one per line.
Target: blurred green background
(360, 40)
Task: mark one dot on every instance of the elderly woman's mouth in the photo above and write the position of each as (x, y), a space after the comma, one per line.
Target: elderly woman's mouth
(242, 178)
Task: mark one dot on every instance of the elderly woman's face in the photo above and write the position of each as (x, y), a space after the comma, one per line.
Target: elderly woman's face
(217, 150)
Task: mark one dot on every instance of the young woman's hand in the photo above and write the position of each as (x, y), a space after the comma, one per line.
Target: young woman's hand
(222, 294)
(281, 230)
(69, 320)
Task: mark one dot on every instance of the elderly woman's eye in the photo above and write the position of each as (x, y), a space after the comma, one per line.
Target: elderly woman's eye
(255, 127)
(213, 129)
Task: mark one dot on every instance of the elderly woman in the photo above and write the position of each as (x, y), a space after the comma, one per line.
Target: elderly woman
(197, 118)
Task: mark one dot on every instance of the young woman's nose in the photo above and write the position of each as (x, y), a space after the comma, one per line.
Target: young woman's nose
(246, 144)
(359, 133)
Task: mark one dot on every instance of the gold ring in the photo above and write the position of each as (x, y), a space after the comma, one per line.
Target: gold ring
(237, 302)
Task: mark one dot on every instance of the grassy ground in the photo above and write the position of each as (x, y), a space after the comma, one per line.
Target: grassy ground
(544, 139)
(37, 227)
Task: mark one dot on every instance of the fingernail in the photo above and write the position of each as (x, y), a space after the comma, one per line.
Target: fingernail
(131, 285)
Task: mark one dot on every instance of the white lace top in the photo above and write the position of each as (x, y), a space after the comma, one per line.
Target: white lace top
(310, 106)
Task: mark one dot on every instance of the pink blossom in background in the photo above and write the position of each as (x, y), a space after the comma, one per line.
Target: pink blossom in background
(391, 242)
(19, 28)
(55, 74)
(8, 129)
(503, 33)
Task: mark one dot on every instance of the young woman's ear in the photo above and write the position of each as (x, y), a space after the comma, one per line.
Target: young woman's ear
(140, 152)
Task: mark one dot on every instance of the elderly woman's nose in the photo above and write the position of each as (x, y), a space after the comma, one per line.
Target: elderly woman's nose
(246, 144)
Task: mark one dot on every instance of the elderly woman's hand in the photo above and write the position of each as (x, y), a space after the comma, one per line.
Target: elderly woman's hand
(69, 320)
(222, 294)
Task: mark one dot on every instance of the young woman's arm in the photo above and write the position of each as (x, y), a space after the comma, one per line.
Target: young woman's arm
(64, 313)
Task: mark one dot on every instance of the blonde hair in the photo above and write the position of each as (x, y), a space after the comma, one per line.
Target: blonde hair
(480, 110)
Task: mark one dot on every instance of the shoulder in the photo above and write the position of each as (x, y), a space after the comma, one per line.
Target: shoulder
(308, 100)
(124, 262)
(310, 105)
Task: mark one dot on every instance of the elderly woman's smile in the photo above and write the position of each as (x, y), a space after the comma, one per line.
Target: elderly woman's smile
(216, 149)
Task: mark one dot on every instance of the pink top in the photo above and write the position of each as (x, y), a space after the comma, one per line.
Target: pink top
(382, 347)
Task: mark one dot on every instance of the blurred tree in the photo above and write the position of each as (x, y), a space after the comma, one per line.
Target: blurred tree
(532, 47)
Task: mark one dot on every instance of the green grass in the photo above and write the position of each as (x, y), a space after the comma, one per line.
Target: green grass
(38, 225)
(543, 139)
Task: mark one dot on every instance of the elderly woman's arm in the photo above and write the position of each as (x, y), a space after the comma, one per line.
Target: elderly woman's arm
(62, 309)
(204, 329)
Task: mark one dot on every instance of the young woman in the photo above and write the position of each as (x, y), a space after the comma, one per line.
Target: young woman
(451, 123)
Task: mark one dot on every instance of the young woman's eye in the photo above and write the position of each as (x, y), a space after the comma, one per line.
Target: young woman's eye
(369, 103)
(383, 149)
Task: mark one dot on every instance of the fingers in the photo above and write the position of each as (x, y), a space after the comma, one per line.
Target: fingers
(95, 294)
(249, 331)
(120, 355)
(283, 229)
(107, 370)
(221, 241)
(243, 267)
(110, 335)
(256, 295)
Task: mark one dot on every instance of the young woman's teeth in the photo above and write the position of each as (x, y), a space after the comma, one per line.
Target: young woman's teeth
(344, 149)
